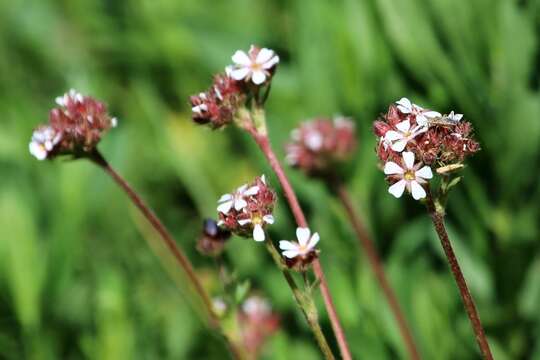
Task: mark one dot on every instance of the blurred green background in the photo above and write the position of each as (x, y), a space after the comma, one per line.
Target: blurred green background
(78, 278)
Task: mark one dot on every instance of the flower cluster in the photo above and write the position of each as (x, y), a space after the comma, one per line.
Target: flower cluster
(250, 71)
(248, 209)
(300, 254)
(75, 127)
(213, 238)
(320, 146)
(257, 323)
(217, 106)
(409, 133)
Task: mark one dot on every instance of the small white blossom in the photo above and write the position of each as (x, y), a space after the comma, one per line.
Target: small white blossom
(410, 176)
(314, 140)
(254, 66)
(421, 115)
(454, 117)
(258, 223)
(255, 305)
(306, 243)
(400, 138)
(73, 94)
(198, 109)
(43, 141)
(236, 199)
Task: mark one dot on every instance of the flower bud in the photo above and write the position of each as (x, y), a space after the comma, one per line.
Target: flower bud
(213, 238)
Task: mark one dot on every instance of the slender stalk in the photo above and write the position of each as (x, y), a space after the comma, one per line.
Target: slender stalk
(304, 302)
(437, 216)
(264, 144)
(377, 267)
(169, 241)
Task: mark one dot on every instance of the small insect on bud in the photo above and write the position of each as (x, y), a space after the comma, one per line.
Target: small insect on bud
(213, 238)
(217, 106)
(75, 127)
(322, 147)
(248, 210)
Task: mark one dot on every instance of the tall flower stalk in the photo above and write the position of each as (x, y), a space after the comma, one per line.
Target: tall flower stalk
(75, 128)
(238, 97)
(415, 143)
(323, 149)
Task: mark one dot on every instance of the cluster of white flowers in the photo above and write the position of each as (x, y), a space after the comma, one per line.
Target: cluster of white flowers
(255, 65)
(410, 176)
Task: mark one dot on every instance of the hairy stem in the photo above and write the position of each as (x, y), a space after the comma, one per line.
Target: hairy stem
(305, 303)
(437, 216)
(264, 144)
(169, 241)
(377, 267)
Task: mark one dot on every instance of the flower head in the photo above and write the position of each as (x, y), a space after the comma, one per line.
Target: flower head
(257, 323)
(409, 176)
(301, 253)
(319, 147)
(75, 127)
(248, 210)
(256, 66)
(217, 106)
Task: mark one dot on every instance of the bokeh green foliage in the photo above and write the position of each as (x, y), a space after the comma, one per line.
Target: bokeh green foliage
(77, 276)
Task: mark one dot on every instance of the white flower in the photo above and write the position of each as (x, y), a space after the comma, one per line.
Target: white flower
(43, 141)
(198, 109)
(236, 199)
(421, 115)
(306, 243)
(454, 117)
(253, 65)
(399, 139)
(409, 177)
(314, 140)
(255, 305)
(258, 223)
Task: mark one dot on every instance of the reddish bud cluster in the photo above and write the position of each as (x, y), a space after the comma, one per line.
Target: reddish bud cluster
(320, 146)
(257, 324)
(442, 142)
(77, 124)
(217, 106)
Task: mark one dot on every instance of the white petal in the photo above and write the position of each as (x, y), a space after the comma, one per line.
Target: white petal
(408, 158)
(404, 126)
(424, 173)
(240, 73)
(269, 64)
(404, 105)
(243, 222)
(241, 58)
(314, 240)
(287, 245)
(239, 204)
(254, 190)
(302, 234)
(392, 135)
(417, 191)
(241, 189)
(264, 55)
(314, 140)
(38, 151)
(432, 114)
(225, 197)
(269, 219)
(391, 168)
(258, 77)
(399, 145)
(291, 254)
(398, 188)
(263, 179)
(421, 120)
(225, 207)
(258, 233)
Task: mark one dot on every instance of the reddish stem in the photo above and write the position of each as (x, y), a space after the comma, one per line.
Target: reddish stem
(264, 144)
(377, 267)
(167, 238)
(437, 216)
